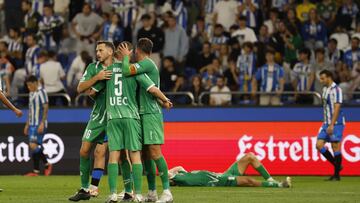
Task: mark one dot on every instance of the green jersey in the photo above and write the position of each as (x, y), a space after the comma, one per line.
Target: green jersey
(147, 103)
(121, 93)
(196, 178)
(98, 112)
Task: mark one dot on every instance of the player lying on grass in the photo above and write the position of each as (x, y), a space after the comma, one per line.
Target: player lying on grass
(233, 176)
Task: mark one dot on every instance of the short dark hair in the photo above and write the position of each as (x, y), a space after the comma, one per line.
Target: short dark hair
(145, 17)
(130, 46)
(242, 18)
(43, 53)
(327, 73)
(87, 4)
(170, 58)
(28, 2)
(305, 51)
(270, 51)
(320, 50)
(333, 40)
(145, 45)
(31, 78)
(248, 44)
(218, 25)
(107, 44)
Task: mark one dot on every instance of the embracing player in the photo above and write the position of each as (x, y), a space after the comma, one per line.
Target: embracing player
(95, 129)
(151, 119)
(123, 127)
(334, 123)
(233, 176)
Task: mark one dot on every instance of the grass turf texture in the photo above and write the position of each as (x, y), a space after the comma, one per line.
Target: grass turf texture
(305, 189)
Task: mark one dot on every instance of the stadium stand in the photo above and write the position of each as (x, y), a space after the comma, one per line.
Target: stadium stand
(210, 52)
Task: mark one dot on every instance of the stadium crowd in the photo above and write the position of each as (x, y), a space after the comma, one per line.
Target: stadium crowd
(217, 46)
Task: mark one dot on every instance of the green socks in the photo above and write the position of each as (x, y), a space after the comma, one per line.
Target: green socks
(85, 172)
(269, 184)
(126, 174)
(113, 172)
(137, 174)
(150, 171)
(163, 172)
(263, 172)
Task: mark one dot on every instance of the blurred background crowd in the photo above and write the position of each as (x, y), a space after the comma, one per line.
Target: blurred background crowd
(209, 52)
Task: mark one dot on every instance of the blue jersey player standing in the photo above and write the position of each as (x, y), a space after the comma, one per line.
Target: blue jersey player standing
(334, 122)
(36, 125)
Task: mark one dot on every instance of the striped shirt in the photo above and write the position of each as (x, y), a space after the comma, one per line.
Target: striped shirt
(38, 5)
(332, 95)
(209, 6)
(112, 33)
(126, 9)
(301, 73)
(31, 60)
(181, 14)
(219, 40)
(269, 78)
(246, 65)
(279, 4)
(250, 16)
(46, 25)
(37, 100)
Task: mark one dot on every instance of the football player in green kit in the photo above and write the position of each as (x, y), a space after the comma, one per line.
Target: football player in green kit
(233, 176)
(124, 127)
(151, 119)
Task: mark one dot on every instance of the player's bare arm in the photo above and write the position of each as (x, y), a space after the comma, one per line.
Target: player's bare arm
(9, 105)
(158, 94)
(44, 118)
(85, 85)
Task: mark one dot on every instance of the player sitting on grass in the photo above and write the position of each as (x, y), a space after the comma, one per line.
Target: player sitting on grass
(233, 176)
(36, 124)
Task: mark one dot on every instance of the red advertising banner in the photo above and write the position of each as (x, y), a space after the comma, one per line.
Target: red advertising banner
(285, 148)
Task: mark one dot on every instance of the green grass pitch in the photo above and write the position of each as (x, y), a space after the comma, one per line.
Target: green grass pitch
(305, 189)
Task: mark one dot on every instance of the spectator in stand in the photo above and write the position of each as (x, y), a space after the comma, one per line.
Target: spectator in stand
(176, 41)
(205, 57)
(348, 14)
(68, 44)
(219, 36)
(181, 13)
(224, 57)
(231, 76)
(280, 5)
(155, 34)
(321, 64)
(51, 75)
(87, 27)
(314, 32)
(327, 12)
(209, 77)
(271, 78)
(276, 40)
(357, 32)
(220, 99)
(342, 37)
(61, 8)
(244, 34)
(249, 9)
(196, 88)
(199, 34)
(215, 66)
(272, 23)
(31, 55)
(333, 54)
(14, 41)
(76, 71)
(303, 10)
(263, 36)
(303, 76)
(113, 30)
(246, 67)
(180, 86)
(31, 18)
(291, 19)
(350, 58)
(50, 27)
(225, 13)
(6, 69)
(168, 74)
(209, 9)
(293, 43)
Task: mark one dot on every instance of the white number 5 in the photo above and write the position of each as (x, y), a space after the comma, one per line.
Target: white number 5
(118, 85)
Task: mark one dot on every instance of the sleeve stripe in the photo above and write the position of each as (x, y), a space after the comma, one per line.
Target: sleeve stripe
(150, 87)
(96, 90)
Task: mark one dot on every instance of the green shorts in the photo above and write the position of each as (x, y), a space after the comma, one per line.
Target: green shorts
(152, 128)
(94, 132)
(124, 133)
(226, 181)
(232, 170)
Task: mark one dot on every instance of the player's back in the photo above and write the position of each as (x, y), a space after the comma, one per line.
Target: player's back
(148, 103)
(196, 178)
(121, 94)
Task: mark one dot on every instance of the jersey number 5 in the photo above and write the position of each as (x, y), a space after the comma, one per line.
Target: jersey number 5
(118, 85)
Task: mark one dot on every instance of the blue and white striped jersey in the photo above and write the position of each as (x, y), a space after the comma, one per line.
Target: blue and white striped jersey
(126, 9)
(250, 16)
(31, 60)
(46, 26)
(219, 40)
(270, 77)
(332, 95)
(301, 73)
(209, 6)
(181, 14)
(37, 100)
